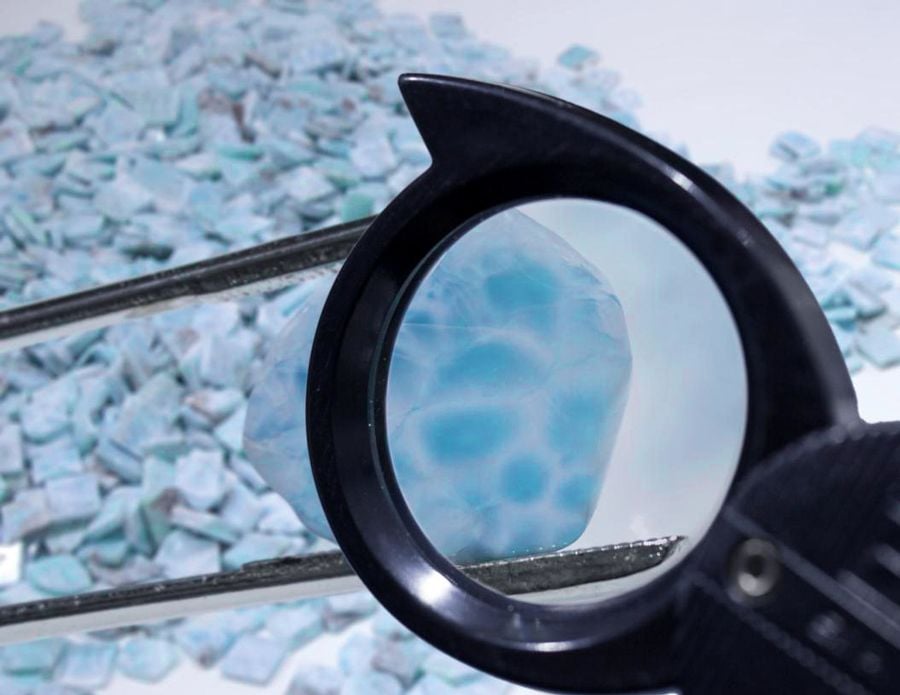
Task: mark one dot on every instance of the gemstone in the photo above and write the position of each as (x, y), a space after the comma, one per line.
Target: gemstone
(296, 625)
(88, 666)
(200, 478)
(40, 656)
(61, 575)
(371, 683)
(253, 659)
(317, 680)
(494, 317)
(147, 659)
(184, 554)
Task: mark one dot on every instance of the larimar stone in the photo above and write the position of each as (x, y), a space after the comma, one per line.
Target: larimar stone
(344, 609)
(147, 659)
(205, 639)
(60, 575)
(508, 381)
(183, 554)
(879, 346)
(296, 625)
(317, 680)
(40, 656)
(88, 666)
(253, 659)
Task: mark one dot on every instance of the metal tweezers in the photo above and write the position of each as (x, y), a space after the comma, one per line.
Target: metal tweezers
(262, 268)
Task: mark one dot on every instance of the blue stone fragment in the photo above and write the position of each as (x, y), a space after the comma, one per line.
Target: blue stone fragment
(432, 685)
(122, 198)
(886, 186)
(205, 639)
(15, 141)
(356, 654)
(113, 512)
(485, 422)
(64, 538)
(401, 659)
(200, 478)
(345, 609)
(374, 156)
(33, 657)
(792, 145)
(118, 460)
(56, 459)
(880, 346)
(73, 497)
(26, 514)
(11, 458)
(316, 680)
(46, 414)
(147, 659)
(296, 625)
(111, 551)
(147, 413)
(184, 554)
(241, 508)
(88, 665)
(253, 659)
(277, 516)
(60, 575)
(20, 684)
(577, 57)
(203, 524)
(306, 184)
(887, 252)
(863, 226)
(371, 683)
(253, 547)
(230, 432)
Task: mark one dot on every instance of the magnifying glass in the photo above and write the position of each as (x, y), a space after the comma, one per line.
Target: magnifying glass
(559, 299)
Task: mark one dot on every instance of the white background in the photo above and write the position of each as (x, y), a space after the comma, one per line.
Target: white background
(722, 77)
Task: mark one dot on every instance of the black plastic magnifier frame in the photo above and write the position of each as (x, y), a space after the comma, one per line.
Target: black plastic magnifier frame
(492, 148)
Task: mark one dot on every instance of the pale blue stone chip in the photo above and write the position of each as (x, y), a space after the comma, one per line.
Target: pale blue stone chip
(253, 659)
(316, 680)
(147, 659)
(88, 665)
(60, 575)
(40, 656)
(508, 381)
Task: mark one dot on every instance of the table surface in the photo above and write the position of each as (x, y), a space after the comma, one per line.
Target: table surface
(722, 78)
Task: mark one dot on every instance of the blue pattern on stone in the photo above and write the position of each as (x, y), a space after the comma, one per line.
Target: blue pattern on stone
(509, 378)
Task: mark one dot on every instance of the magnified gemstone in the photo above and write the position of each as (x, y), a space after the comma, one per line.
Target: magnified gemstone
(508, 381)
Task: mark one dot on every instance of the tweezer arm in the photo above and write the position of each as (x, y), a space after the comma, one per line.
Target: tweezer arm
(260, 268)
(310, 576)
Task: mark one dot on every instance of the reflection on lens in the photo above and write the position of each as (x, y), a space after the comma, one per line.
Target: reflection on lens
(566, 375)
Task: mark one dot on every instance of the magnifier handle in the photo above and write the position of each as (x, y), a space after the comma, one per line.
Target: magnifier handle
(797, 588)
